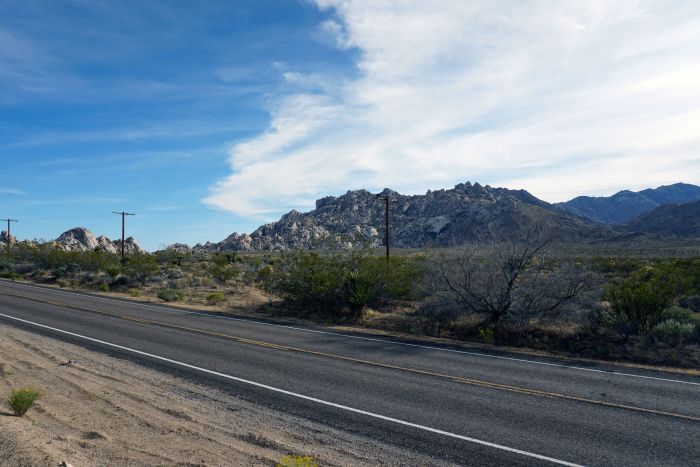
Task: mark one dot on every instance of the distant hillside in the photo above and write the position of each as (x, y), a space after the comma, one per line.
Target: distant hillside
(466, 213)
(626, 205)
(670, 219)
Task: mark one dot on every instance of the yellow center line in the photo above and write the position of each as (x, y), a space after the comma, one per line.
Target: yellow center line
(459, 379)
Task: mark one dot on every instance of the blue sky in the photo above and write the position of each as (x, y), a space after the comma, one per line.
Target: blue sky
(206, 118)
(107, 106)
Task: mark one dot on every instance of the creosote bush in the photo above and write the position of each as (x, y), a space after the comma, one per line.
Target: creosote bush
(641, 301)
(215, 298)
(332, 281)
(297, 461)
(21, 400)
(113, 270)
(169, 295)
(673, 332)
(223, 273)
(141, 267)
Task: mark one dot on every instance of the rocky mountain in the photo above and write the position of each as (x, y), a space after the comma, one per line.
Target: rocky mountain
(81, 239)
(466, 213)
(626, 205)
(682, 220)
(4, 238)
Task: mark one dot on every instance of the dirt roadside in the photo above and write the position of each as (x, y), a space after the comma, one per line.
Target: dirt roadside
(100, 410)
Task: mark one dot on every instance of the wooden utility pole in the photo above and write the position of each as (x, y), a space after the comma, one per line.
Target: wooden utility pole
(9, 235)
(387, 235)
(123, 214)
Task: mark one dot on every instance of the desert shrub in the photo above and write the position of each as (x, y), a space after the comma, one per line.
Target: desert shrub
(66, 270)
(222, 273)
(174, 273)
(135, 292)
(312, 280)
(624, 266)
(264, 275)
(691, 302)
(220, 260)
(682, 315)
(141, 267)
(21, 400)
(509, 282)
(169, 295)
(638, 303)
(9, 275)
(487, 335)
(104, 287)
(297, 461)
(173, 257)
(695, 337)
(215, 298)
(337, 280)
(113, 270)
(673, 332)
(51, 258)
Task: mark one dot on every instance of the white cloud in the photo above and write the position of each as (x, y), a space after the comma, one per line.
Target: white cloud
(560, 98)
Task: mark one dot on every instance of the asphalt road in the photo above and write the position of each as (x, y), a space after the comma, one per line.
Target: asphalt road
(456, 405)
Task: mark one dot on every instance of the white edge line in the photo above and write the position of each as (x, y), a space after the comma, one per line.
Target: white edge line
(348, 336)
(302, 396)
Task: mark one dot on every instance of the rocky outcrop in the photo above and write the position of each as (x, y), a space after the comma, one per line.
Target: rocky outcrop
(77, 239)
(181, 248)
(466, 213)
(81, 239)
(130, 246)
(4, 238)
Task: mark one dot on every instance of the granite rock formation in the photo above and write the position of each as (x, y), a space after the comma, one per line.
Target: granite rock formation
(466, 213)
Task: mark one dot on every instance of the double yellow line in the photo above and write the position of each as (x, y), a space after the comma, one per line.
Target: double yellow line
(458, 379)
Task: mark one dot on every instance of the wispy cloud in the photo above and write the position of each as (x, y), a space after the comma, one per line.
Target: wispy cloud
(11, 191)
(559, 98)
(78, 200)
(162, 130)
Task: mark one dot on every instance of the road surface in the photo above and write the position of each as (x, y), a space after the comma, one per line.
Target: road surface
(462, 406)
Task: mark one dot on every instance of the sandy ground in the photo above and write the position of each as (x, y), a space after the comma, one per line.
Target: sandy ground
(100, 410)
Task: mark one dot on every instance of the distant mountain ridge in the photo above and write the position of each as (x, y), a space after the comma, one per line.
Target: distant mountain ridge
(466, 213)
(682, 220)
(625, 205)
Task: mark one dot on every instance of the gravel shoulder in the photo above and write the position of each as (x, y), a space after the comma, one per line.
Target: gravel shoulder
(101, 410)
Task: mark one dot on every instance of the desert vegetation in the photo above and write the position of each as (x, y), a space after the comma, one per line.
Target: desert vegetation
(622, 304)
(22, 399)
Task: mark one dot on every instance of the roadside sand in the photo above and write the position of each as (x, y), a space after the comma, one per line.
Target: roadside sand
(101, 410)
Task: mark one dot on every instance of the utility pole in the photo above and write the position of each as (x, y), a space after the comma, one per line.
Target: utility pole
(123, 214)
(387, 236)
(9, 234)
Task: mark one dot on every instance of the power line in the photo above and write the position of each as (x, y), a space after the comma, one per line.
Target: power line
(387, 236)
(123, 214)
(9, 236)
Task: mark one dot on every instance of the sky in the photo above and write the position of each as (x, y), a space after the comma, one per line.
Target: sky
(206, 118)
